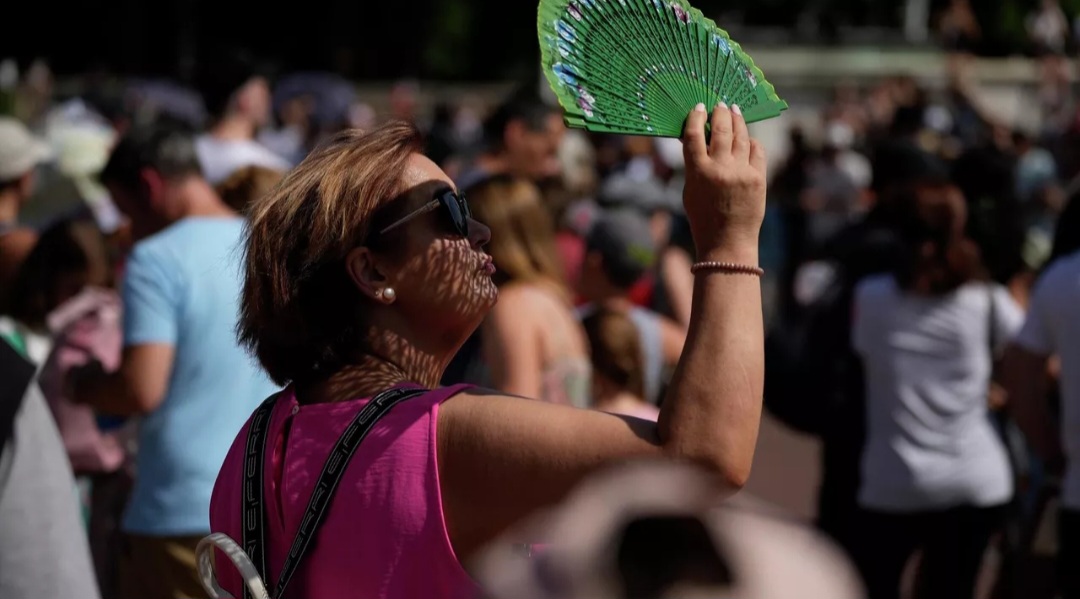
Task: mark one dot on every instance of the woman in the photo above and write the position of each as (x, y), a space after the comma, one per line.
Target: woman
(533, 345)
(365, 274)
(935, 474)
(617, 360)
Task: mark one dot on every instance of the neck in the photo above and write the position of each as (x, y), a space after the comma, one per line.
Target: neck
(391, 359)
(9, 207)
(199, 199)
(233, 127)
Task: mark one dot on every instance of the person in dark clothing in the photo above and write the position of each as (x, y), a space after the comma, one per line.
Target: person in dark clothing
(812, 350)
(985, 175)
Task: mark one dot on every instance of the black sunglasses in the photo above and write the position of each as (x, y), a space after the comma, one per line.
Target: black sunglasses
(452, 201)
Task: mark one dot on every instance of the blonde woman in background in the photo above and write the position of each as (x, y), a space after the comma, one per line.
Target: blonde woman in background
(532, 343)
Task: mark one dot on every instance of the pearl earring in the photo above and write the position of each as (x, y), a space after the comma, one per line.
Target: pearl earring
(389, 294)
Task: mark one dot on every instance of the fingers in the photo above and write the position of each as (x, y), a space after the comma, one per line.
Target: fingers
(722, 131)
(694, 148)
(758, 159)
(740, 138)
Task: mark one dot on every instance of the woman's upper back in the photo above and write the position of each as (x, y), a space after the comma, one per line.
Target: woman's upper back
(548, 320)
(384, 534)
(930, 443)
(908, 340)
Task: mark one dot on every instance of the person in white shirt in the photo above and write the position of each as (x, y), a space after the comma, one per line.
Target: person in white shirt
(1052, 329)
(935, 473)
(237, 96)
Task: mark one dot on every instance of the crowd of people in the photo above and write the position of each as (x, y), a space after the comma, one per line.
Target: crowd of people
(199, 306)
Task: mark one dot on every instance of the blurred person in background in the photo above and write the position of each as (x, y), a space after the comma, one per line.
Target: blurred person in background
(441, 138)
(1052, 331)
(521, 138)
(785, 191)
(1040, 195)
(237, 96)
(247, 186)
(959, 33)
(65, 292)
(20, 156)
(182, 368)
(532, 343)
(935, 473)
(43, 548)
(373, 298)
(986, 175)
(645, 195)
(674, 291)
(293, 137)
(404, 99)
(618, 386)
(620, 251)
(1048, 32)
(837, 181)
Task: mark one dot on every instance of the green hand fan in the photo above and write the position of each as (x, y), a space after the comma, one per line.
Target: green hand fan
(638, 67)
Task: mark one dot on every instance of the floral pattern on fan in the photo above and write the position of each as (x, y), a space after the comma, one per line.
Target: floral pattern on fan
(640, 66)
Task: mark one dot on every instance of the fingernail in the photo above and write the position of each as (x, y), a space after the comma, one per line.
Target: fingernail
(700, 107)
(735, 108)
(722, 105)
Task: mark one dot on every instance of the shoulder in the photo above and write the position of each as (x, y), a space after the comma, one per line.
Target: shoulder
(190, 232)
(876, 287)
(1063, 272)
(525, 296)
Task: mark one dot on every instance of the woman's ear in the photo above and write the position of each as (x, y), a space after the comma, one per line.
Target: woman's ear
(368, 275)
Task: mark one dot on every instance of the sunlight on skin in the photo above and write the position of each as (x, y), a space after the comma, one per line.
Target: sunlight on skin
(439, 268)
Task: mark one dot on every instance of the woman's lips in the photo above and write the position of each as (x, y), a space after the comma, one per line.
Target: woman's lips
(487, 266)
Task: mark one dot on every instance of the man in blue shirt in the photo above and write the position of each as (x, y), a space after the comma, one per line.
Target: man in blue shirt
(182, 367)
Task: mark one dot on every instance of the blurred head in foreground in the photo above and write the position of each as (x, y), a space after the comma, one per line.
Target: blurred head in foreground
(651, 531)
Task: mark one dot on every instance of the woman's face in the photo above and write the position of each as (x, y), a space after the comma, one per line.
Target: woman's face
(443, 279)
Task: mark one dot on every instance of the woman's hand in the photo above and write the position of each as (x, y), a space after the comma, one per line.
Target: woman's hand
(724, 195)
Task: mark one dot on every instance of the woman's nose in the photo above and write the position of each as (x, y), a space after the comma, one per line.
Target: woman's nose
(479, 233)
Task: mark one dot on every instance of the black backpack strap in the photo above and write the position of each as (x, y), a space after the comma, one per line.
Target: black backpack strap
(255, 516)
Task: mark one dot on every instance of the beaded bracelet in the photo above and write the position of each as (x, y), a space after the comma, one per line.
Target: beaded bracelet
(728, 268)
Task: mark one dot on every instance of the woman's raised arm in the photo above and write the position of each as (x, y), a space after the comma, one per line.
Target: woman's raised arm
(501, 458)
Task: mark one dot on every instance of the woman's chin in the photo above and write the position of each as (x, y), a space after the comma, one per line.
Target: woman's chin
(487, 292)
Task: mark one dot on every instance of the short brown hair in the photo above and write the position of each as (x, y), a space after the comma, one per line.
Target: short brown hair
(300, 313)
(247, 186)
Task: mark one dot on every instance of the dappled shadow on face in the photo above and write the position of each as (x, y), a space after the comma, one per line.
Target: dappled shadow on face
(443, 290)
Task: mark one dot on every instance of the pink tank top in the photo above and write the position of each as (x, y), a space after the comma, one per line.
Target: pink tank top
(384, 536)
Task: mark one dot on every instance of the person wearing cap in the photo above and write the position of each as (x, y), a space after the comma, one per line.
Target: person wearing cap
(620, 250)
(237, 96)
(20, 155)
(667, 287)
